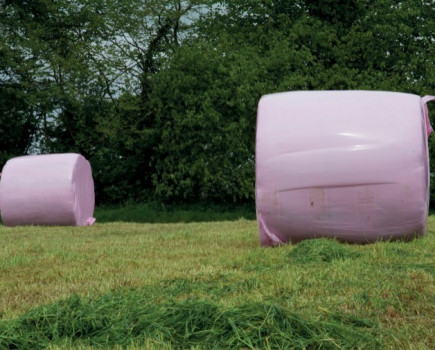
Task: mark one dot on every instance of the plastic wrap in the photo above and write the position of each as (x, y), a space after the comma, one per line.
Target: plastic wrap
(351, 165)
(53, 189)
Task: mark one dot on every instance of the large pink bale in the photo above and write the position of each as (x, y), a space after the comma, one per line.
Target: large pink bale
(351, 165)
(52, 189)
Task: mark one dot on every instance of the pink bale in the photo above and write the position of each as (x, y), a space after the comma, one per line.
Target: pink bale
(52, 189)
(351, 165)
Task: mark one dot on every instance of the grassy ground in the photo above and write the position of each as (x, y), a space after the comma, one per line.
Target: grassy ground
(210, 285)
(154, 212)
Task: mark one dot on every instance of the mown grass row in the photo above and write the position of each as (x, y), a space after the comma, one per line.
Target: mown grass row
(137, 318)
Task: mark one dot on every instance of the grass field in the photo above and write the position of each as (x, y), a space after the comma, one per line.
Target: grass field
(208, 284)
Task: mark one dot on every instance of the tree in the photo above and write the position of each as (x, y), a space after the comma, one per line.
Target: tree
(161, 96)
(18, 122)
(141, 36)
(205, 100)
(205, 110)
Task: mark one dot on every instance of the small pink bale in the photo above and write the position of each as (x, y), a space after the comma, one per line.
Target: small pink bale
(52, 189)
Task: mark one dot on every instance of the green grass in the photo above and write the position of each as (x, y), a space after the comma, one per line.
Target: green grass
(155, 212)
(138, 318)
(210, 285)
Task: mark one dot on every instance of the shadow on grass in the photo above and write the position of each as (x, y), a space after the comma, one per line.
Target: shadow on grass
(158, 213)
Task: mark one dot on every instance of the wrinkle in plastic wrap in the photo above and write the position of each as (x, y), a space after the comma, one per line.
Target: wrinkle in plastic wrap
(52, 189)
(351, 165)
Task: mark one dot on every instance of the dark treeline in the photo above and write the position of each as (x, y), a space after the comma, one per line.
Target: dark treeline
(161, 95)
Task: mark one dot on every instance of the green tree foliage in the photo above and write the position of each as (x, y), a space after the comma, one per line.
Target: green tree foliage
(18, 105)
(161, 96)
(17, 124)
(340, 13)
(45, 37)
(140, 37)
(204, 107)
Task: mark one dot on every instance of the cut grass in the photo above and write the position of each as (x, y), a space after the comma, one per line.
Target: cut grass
(382, 294)
(130, 318)
(321, 250)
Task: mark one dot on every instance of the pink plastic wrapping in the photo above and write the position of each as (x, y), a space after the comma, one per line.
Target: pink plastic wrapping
(53, 189)
(352, 165)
